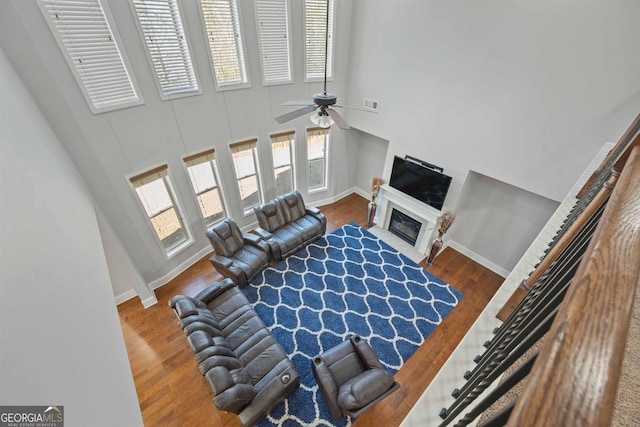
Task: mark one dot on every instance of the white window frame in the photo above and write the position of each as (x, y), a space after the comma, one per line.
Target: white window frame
(184, 61)
(319, 131)
(241, 57)
(101, 91)
(319, 75)
(161, 172)
(239, 146)
(272, 25)
(277, 138)
(207, 156)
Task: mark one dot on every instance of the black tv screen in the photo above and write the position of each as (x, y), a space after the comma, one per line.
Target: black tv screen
(420, 182)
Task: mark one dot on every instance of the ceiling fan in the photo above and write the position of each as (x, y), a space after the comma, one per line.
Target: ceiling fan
(323, 102)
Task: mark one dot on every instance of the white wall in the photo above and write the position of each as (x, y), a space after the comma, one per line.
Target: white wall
(522, 92)
(59, 329)
(498, 220)
(108, 147)
(525, 92)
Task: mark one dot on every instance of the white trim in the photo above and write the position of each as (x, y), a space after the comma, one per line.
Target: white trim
(146, 303)
(180, 268)
(477, 258)
(287, 30)
(125, 296)
(167, 96)
(177, 204)
(243, 61)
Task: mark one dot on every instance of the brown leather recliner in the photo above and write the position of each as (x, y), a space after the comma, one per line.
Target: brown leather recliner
(246, 368)
(239, 256)
(288, 225)
(351, 378)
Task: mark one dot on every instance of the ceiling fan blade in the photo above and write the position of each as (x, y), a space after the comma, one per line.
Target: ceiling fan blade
(338, 119)
(298, 103)
(295, 113)
(356, 108)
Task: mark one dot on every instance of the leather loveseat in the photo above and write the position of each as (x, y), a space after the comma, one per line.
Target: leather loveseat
(288, 225)
(246, 368)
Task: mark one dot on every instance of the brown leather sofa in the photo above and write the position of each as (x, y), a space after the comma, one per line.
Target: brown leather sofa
(288, 225)
(351, 378)
(238, 256)
(246, 368)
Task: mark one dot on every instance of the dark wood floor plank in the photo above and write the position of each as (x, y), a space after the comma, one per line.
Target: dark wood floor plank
(171, 391)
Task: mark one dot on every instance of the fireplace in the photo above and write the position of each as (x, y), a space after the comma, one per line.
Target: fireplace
(406, 217)
(404, 226)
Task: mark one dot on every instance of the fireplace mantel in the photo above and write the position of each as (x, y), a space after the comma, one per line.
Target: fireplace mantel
(389, 198)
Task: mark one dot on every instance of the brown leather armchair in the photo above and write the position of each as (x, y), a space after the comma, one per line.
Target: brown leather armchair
(351, 378)
(239, 256)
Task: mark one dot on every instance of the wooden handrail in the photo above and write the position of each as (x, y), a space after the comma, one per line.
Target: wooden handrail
(576, 374)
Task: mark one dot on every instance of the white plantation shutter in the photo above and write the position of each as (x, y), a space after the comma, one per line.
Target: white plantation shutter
(315, 14)
(82, 31)
(222, 25)
(163, 33)
(273, 37)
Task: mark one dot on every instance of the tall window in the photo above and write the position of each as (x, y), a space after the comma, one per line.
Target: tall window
(156, 195)
(161, 27)
(272, 19)
(203, 174)
(315, 32)
(222, 25)
(90, 46)
(282, 153)
(245, 162)
(317, 150)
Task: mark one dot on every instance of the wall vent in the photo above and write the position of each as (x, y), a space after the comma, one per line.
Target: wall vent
(370, 104)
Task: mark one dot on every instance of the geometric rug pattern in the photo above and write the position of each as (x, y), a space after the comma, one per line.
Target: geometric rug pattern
(347, 283)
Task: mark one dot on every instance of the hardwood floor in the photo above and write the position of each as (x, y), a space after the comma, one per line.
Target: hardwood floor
(171, 391)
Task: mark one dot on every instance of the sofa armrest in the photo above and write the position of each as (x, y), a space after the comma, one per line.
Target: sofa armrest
(367, 355)
(276, 252)
(251, 238)
(283, 380)
(328, 386)
(262, 233)
(214, 290)
(364, 389)
(221, 260)
(188, 305)
(310, 210)
(229, 396)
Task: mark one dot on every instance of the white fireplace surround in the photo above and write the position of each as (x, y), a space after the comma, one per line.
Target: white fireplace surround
(389, 198)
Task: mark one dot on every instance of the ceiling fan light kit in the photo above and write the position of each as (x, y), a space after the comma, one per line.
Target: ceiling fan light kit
(325, 116)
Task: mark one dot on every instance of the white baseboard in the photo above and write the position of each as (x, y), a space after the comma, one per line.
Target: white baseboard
(335, 198)
(179, 269)
(152, 300)
(477, 258)
(125, 296)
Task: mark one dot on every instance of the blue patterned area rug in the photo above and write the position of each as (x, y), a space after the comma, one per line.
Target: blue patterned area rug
(348, 282)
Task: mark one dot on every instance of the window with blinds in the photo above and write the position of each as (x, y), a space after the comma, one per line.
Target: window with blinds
(272, 20)
(203, 174)
(282, 154)
(226, 50)
(317, 159)
(245, 163)
(161, 28)
(155, 192)
(90, 46)
(315, 33)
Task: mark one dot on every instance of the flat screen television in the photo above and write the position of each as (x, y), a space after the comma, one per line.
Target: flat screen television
(424, 183)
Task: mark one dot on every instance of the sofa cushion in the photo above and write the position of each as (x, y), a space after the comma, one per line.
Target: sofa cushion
(293, 206)
(270, 216)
